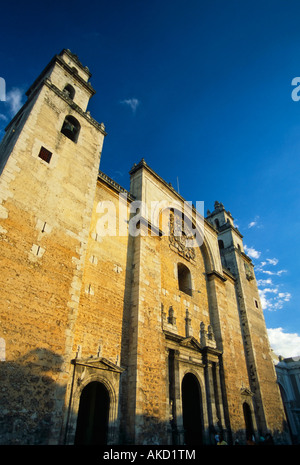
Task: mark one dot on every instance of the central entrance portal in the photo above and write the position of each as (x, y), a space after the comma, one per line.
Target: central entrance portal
(191, 410)
(92, 421)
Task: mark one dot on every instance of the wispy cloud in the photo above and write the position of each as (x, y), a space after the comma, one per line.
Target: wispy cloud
(271, 295)
(273, 300)
(12, 104)
(272, 273)
(133, 103)
(285, 344)
(269, 261)
(251, 252)
(264, 282)
(14, 100)
(255, 223)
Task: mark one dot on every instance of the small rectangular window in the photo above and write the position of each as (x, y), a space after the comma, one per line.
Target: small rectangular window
(45, 154)
(256, 303)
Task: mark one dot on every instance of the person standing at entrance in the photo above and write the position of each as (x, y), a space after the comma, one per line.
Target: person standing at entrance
(222, 441)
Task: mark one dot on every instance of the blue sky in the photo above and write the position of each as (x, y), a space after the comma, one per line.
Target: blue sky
(202, 91)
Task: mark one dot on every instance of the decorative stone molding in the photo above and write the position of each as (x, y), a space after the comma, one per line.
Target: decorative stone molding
(249, 272)
(246, 392)
(87, 370)
(178, 238)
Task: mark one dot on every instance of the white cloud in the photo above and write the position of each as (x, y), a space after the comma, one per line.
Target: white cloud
(11, 106)
(272, 261)
(269, 261)
(285, 344)
(272, 273)
(14, 100)
(133, 103)
(271, 299)
(251, 252)
(267, 303)
(263, 282)
(286, 296)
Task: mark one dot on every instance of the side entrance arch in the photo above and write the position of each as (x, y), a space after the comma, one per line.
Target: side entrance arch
(248, 420)
(192, 410)
(93, 415)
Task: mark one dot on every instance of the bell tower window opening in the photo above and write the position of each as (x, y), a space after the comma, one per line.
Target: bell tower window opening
(69, 91)
(184, 279)
(71, 128)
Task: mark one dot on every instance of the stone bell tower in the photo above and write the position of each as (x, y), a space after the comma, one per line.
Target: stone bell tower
(266, 399)
(49, 160)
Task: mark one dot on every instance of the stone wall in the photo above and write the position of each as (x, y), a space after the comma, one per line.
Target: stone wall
(45, 216)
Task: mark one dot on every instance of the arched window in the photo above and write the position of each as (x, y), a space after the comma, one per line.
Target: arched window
(69, 91)
(217, 223)
(184, 279)
(71, 128)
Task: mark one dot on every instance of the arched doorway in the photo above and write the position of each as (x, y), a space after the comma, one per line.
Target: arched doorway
(92, 420)
(248, 420)
(191, 410)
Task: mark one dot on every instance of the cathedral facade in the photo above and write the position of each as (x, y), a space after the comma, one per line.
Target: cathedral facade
(127, 317)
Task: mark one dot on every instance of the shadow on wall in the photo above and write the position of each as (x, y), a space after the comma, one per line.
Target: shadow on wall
(29, 397)
(32, 405)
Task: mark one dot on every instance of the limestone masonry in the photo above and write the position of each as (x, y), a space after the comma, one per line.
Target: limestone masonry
(112, 335)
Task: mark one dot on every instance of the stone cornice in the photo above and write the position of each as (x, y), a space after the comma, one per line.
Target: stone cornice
(212, 351)
(63, 96)
(98, 363)
(228, 274)
(227, 226)
(74, 106)
(76, 59)
(245, 257)
(143, 164)
(113, 184)
(216, 274)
